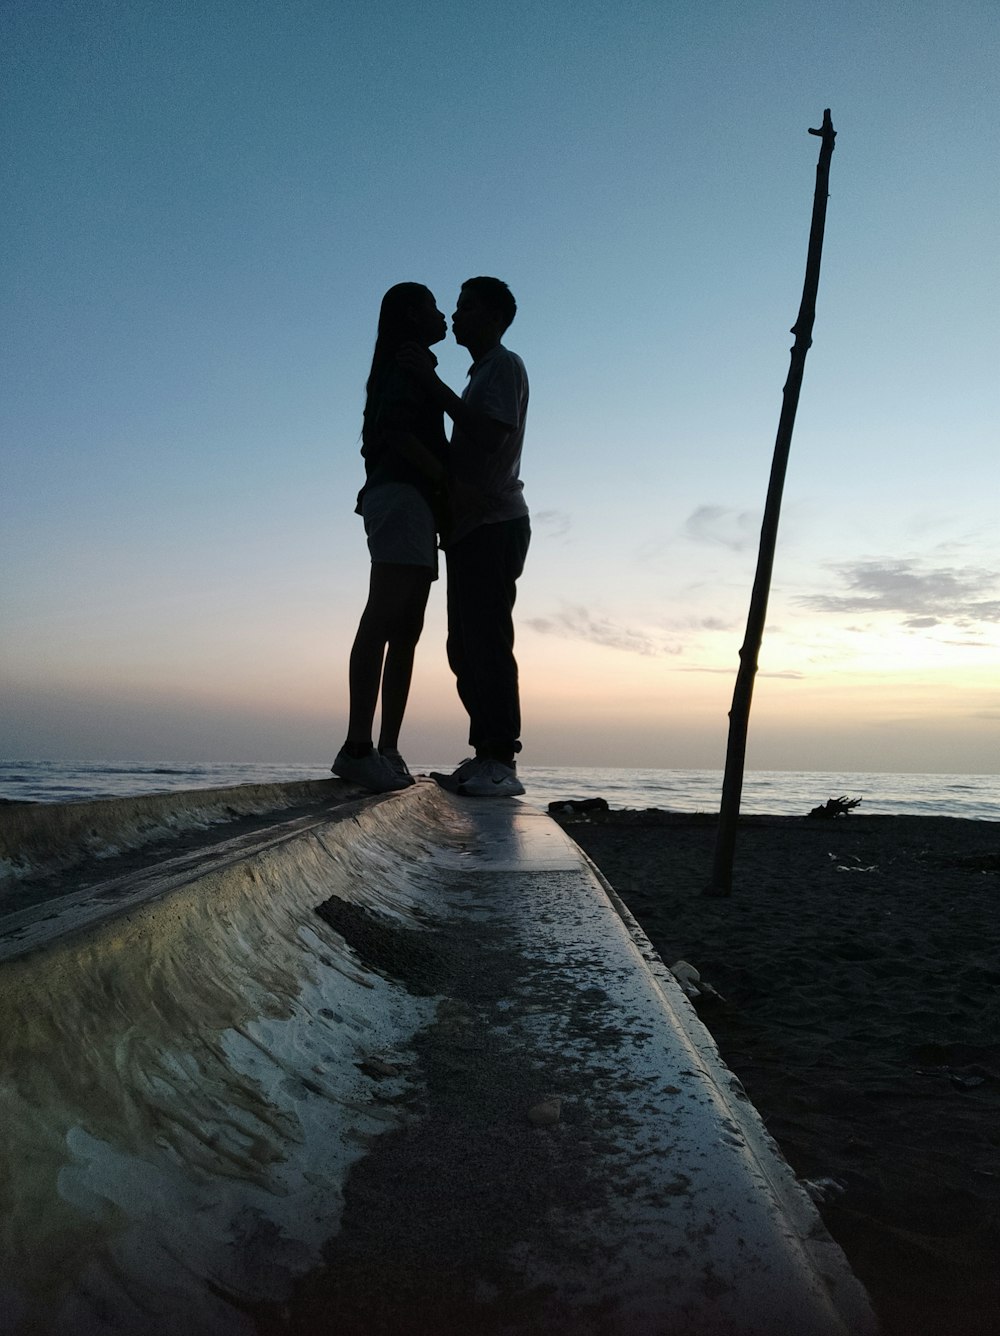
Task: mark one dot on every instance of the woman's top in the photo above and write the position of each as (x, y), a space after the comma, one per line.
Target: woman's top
(401, 405)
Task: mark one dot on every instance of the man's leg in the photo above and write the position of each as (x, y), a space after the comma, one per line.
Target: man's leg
(461, 583)
(483, 569)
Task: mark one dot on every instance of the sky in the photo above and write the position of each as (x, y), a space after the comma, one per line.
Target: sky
(205, 202)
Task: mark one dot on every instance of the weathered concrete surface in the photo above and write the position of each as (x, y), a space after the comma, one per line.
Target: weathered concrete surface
(404, 1067)
(40, 841)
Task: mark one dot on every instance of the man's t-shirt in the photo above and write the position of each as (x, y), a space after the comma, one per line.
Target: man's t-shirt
(498, 388)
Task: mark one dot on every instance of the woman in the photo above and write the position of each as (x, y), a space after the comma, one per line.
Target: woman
(405, 454)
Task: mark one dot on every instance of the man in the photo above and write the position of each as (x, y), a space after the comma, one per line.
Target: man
(489, 535)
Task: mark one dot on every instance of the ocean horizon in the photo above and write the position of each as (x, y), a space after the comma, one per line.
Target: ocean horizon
(765, 792)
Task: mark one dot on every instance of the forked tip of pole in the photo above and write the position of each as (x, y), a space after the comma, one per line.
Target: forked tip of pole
(826, 128)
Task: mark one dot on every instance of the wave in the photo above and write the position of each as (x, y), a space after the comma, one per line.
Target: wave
(775, 793)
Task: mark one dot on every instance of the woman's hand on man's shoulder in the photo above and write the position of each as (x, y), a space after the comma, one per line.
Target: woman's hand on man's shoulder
(419, 361)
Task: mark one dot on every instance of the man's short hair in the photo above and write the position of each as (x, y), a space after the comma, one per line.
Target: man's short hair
(495, 295)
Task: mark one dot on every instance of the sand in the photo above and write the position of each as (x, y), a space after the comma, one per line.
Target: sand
(859, 960)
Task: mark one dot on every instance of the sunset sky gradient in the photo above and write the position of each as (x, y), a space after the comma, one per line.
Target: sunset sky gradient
(205, 204)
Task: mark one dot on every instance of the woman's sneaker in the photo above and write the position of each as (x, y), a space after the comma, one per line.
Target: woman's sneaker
(396, 763)
(489, 779)
(373, 772)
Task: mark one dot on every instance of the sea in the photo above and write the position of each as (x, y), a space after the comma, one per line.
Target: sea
(765, 792)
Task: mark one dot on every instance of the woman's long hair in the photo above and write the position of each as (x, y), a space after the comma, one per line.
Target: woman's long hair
(394, 328)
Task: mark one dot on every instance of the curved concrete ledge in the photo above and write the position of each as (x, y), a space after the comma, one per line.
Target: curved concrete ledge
(38, 839)
(406, 1067)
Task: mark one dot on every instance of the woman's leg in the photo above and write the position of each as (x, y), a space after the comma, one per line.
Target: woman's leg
(414, 587)
(393, 616)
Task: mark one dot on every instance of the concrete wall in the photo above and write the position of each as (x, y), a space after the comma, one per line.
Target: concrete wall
(201, 1059)
(182, 1094)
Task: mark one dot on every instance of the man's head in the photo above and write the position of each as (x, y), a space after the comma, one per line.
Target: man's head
(485, 309)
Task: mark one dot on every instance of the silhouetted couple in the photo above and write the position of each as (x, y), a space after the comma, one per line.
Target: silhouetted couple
(467, 492)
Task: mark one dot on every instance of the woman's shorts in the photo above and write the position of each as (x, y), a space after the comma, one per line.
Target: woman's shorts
(400, 526)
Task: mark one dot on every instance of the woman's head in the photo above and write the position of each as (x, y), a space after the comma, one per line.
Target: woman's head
(409, 314)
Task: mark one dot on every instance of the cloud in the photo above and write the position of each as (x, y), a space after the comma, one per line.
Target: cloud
(692, 626)
(925, 597)
(972, 642)
(577, 623)
(718, 525)
(786, 674)
(557, 523)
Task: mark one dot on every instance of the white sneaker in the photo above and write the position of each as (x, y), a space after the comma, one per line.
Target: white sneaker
(372, 772)
(490, 779)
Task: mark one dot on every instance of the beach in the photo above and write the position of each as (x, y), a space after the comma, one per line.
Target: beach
(858, 962)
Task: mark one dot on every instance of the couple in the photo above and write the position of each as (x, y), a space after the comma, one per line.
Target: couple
(419, 486)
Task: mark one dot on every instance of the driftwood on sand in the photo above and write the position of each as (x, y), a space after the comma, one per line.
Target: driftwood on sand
(834, 807)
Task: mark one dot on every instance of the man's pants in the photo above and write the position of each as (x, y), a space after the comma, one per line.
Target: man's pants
(483, 568)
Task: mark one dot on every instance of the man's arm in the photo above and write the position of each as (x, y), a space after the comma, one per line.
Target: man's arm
(450, 492)
(411, 449)
(484, 431)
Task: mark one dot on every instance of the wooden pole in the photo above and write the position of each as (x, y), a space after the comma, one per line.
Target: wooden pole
(739, 716)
